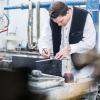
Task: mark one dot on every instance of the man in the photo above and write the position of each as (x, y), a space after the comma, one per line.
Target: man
(69, 30)
(67, 25)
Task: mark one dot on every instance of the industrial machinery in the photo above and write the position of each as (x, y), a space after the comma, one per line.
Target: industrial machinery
(26, 58)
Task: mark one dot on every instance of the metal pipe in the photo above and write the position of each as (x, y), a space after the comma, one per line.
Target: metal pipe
(38, 19)
(30, 26)
(93, 5)
(42, 5)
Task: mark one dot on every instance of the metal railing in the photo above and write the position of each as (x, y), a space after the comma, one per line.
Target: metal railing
(43, 4)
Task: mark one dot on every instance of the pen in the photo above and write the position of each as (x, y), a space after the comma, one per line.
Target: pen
(45, 51)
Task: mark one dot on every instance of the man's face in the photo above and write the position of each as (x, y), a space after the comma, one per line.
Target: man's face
(62, 20)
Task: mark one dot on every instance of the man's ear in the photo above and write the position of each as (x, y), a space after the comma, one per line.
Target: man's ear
(69, 11)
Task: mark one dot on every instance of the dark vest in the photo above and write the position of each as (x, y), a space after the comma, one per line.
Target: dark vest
(76, 30)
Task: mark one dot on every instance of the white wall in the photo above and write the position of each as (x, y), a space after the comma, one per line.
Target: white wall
(19, 20)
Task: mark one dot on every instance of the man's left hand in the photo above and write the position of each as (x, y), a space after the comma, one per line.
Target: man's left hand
(61, 54)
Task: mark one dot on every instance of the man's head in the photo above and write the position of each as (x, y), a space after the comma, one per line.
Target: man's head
(60, 13)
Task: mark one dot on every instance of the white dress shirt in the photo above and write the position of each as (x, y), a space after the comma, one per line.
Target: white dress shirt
(88, 42)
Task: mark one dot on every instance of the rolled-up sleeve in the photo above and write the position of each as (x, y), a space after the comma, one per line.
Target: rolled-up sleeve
(45, 40)
(89, 38)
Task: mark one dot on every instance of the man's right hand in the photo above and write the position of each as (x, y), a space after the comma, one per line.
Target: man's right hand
(45, 53)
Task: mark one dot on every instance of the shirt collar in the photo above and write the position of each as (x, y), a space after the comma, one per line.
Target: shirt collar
(70, 20)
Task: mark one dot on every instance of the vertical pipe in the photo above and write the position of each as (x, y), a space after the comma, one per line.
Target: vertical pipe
(93, 5)
(38, 19)
(95, 15)
(30, 26)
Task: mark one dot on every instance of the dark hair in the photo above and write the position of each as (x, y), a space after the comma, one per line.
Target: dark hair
(58, 8)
